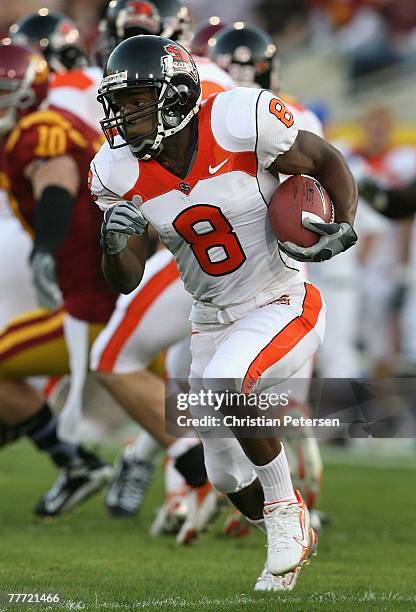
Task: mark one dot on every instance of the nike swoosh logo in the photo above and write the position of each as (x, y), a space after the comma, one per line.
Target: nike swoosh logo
(304, 541)
(212, 170)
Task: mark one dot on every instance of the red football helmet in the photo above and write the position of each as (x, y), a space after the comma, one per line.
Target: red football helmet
(203, 33)
(23, 84)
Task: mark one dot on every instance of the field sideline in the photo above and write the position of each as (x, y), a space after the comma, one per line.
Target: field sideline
(365, 561)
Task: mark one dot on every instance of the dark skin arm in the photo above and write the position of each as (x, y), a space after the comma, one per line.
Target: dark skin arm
(124, 271)
(312, 155)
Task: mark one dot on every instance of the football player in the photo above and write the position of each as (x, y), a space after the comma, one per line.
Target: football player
(73, 83)
(227, 155)
(40, 139)
(387, 297)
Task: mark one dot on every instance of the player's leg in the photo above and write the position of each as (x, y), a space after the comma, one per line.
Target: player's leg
(174, 511)
(272, 344)
(34, 344)
(143, 324)
(17, 293)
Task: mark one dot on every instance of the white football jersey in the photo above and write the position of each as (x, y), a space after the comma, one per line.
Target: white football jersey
(214, 221)
(213, 78)
(76, 92)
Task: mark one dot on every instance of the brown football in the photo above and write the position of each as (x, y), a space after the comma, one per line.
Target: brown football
(298, 197)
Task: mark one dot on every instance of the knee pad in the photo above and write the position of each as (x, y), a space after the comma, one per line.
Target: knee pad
(227, 466)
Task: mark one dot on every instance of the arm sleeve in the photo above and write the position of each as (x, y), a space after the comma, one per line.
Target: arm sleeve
(100, 193)
(275, 127)
(52, 218)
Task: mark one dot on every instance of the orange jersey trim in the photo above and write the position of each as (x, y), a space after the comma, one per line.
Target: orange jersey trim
(154, 180)
(72, 78)
(286, 339)
(209, 88)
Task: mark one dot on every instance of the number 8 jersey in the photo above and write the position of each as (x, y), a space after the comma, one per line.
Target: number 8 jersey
(214, 220)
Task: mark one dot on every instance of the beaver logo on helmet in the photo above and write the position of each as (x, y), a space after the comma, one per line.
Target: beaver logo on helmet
(180, 60)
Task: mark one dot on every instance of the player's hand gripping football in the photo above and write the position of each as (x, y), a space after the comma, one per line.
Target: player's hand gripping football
(335, 238)
(44, 279)
(120, 222)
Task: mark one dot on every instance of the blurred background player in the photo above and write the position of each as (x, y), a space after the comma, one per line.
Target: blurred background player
(62, 132)
(386, 323)
(203, 33)
(168, 18)
(73, 82)
(23, 84)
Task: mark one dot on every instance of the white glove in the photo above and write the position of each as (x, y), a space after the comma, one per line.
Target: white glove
(120, 222)
(335, 238)
(44, 279)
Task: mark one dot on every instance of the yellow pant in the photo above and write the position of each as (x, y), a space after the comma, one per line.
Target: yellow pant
(33, 344)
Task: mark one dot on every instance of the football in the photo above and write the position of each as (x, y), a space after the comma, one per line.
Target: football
(298, 197)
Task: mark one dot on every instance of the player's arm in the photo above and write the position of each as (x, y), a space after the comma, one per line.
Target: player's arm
(312, 155)
(124, 270)
(394, 203)
(55, 184)
(123, 230)
(124, 243)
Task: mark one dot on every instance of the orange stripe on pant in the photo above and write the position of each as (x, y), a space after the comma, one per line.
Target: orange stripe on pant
(134, 314)
(281, 344)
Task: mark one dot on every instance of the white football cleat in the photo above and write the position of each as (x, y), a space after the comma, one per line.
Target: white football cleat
(171, 516)
(267, 582)
(290, 538)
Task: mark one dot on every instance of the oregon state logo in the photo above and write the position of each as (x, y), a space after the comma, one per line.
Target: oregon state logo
(180, 61)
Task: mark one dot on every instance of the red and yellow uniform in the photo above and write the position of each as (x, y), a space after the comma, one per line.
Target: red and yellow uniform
(28, 345)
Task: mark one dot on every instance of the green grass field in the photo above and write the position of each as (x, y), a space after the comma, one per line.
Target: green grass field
(365, 561)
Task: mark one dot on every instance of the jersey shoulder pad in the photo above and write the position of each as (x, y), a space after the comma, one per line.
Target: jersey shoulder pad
(113, 173)
(233, 119)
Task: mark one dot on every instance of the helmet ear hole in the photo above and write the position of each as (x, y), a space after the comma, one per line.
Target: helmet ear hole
(184, 94)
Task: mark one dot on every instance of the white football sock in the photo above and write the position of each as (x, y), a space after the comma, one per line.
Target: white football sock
(275, 479)
(146, 447)
(174, 481)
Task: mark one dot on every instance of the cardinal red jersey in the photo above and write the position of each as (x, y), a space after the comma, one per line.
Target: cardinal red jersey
(44, 135)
